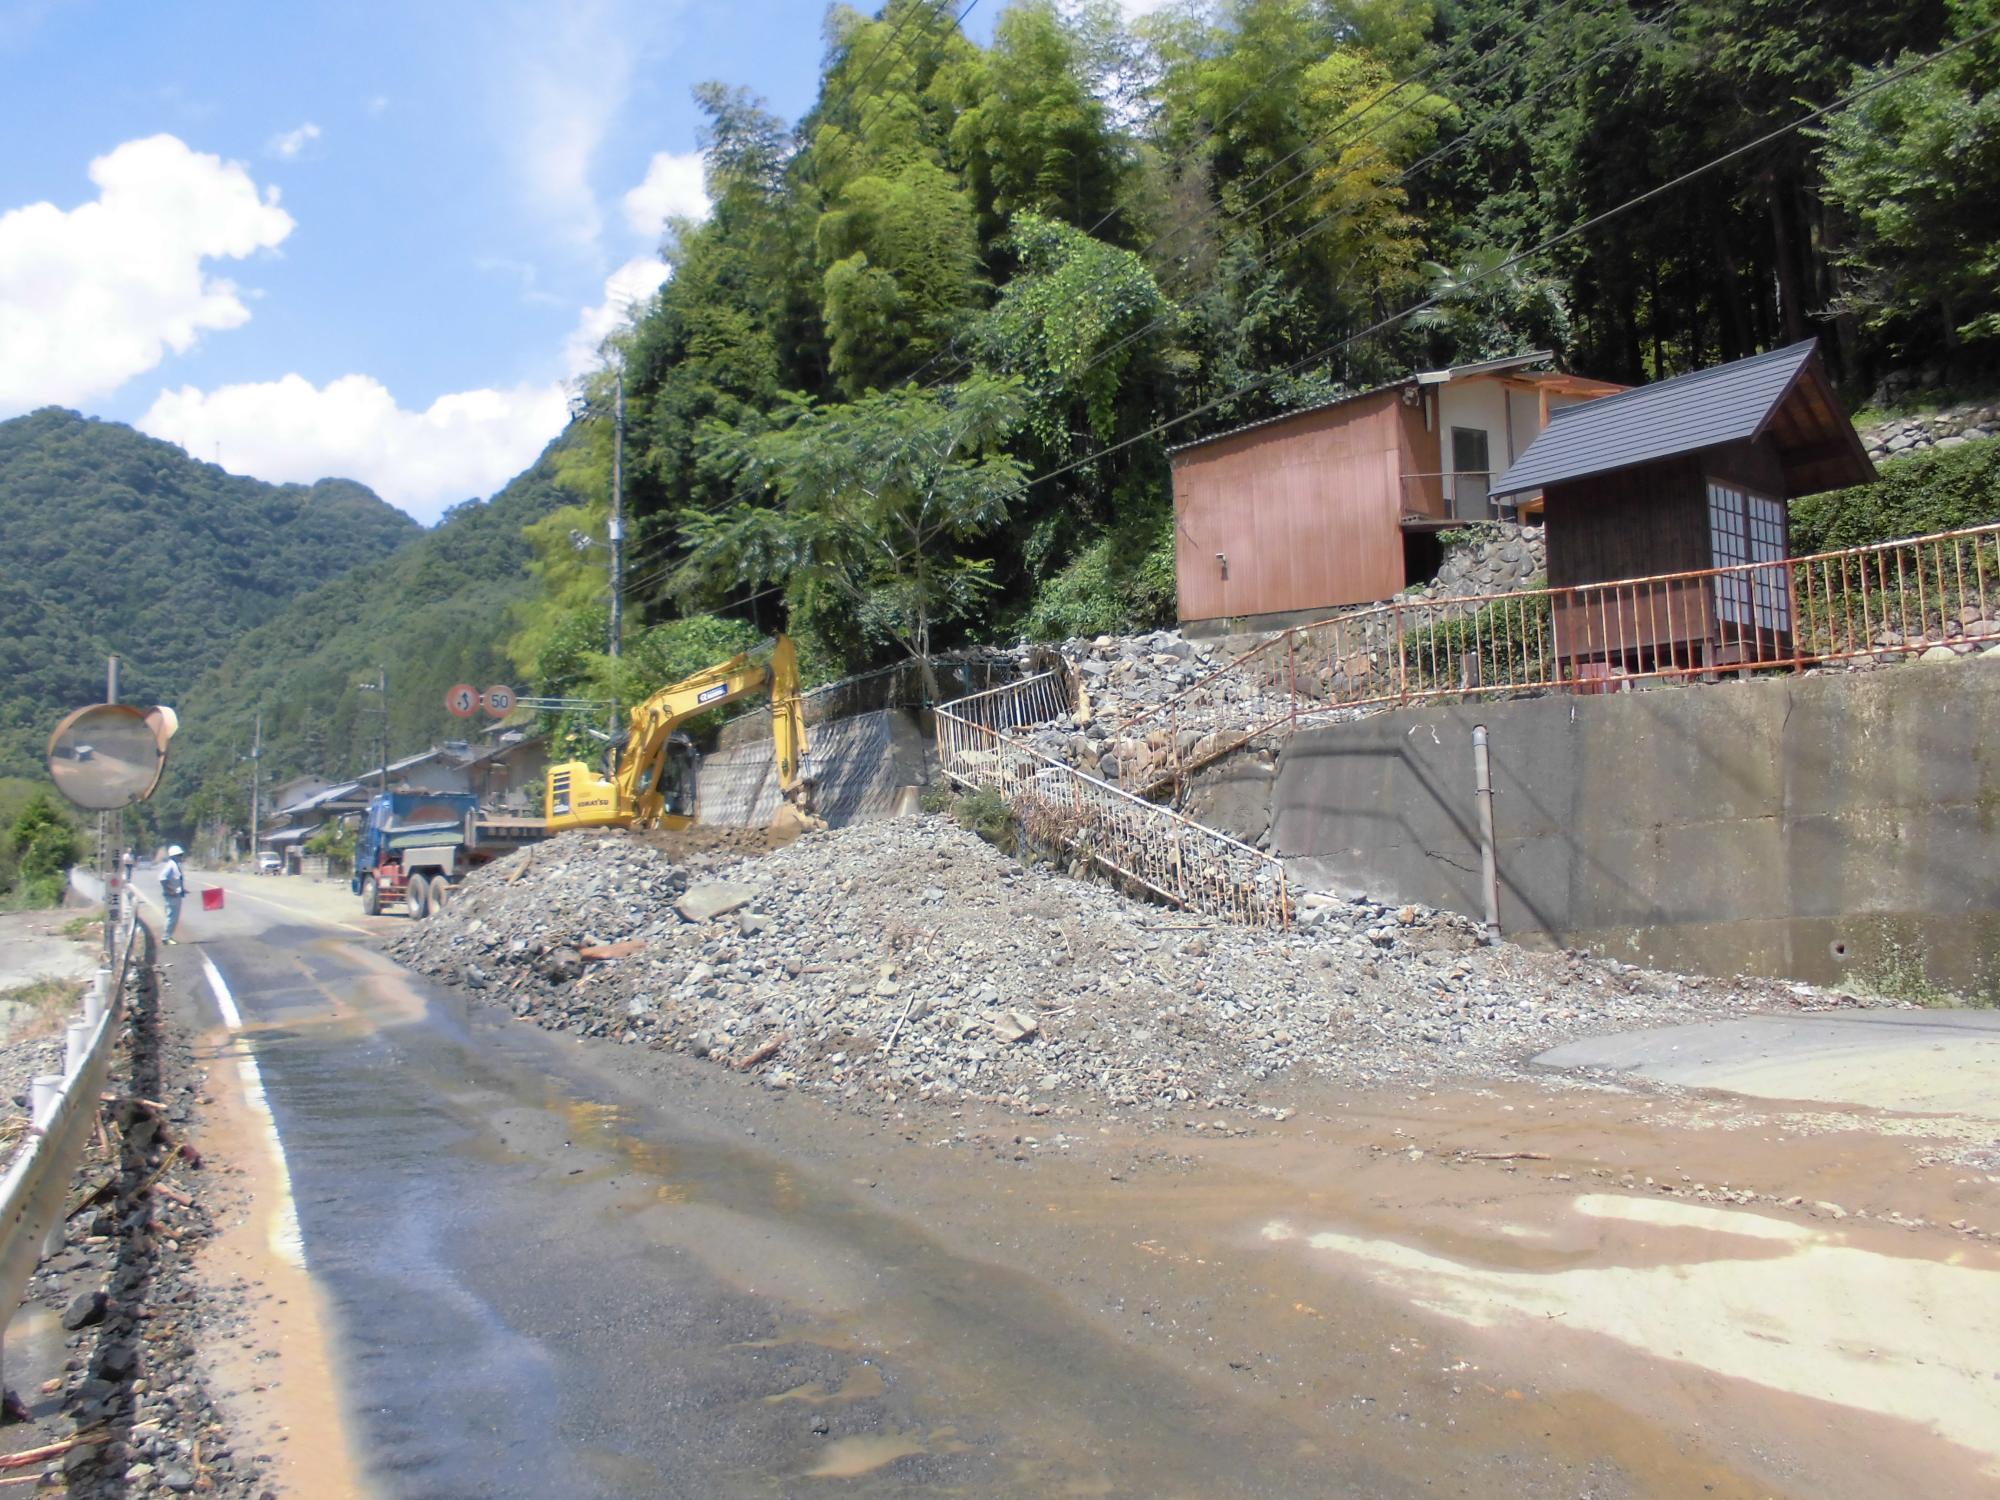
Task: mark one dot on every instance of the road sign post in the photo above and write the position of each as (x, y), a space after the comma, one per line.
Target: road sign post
(462, 700)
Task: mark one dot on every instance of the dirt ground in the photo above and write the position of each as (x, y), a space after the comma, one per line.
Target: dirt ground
(1542, 1285)
(1644, 1292)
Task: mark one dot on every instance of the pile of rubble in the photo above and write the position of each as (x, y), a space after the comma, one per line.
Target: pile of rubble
(908, 960)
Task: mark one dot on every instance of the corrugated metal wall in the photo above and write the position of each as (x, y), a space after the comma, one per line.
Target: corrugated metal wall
(1305, 510)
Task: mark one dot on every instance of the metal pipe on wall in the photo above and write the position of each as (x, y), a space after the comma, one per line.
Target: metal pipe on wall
(1489, 864)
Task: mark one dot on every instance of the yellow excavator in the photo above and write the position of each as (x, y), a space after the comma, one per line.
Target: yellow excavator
(649, 780)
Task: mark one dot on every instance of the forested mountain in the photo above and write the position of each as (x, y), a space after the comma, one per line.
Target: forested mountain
(436, 612)
(915, 375)
(111, 541)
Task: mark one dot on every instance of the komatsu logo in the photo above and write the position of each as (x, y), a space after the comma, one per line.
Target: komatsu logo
(709, 695)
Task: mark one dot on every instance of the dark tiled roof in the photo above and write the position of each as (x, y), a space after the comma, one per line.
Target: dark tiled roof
(1727, 404)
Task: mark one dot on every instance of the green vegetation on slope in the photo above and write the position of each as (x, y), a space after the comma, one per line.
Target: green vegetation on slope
(434, 613)
(1194, 214)
(1941, 490)
(114, 542)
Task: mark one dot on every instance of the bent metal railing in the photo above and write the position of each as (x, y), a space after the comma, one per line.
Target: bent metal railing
(1885, 601)
(1173, 856)
(37, 1181)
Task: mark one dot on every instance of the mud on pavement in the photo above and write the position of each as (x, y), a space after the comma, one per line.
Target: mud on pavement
(1304, 1171)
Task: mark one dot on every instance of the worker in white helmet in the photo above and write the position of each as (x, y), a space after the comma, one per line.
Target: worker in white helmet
(173, 886)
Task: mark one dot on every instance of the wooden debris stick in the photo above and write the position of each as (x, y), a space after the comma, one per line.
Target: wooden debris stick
(763, 1054)
(29, 1456)
(897, 1029)
(1506, 1155)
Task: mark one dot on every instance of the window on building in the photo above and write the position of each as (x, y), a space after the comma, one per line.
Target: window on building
(1746, 529)
(1472, 475)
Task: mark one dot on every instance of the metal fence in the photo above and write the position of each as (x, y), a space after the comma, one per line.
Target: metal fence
(1881, 602)
(1173, 856)
(36, 1186)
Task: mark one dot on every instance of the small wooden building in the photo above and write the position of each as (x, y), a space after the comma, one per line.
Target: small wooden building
(1290, 518)
(1686, 476)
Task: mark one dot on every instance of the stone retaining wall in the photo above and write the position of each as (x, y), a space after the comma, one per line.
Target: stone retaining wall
(1901, 436)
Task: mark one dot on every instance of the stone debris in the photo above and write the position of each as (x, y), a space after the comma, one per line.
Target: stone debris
(1898, 437)
(132, 1395)
(910, 961)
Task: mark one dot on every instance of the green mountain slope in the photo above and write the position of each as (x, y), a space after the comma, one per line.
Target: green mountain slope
(434, 613)
(111, 541)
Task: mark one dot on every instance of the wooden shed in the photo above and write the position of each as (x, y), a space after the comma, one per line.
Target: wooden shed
(1289, 518)
(1686, 476)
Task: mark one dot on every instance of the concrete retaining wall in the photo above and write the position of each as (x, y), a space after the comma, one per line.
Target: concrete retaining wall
(867, 766)
(1839, 828)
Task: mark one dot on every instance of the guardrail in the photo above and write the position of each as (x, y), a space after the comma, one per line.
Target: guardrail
(64, 1106)
(1885, 601)
(1173, 856)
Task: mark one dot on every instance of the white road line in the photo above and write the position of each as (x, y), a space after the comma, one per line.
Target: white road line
(286, 1240)
(224, 1001)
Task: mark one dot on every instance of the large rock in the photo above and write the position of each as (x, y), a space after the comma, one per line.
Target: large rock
(714, 898)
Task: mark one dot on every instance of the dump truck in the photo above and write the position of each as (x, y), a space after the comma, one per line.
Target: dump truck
(415, 848)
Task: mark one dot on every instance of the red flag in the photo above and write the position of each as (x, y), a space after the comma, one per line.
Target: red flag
(211, 898)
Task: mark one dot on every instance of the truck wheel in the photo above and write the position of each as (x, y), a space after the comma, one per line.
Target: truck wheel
(371, 897)
(442, 895)
(418, 896)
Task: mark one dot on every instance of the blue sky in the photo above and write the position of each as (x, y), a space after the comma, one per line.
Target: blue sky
(361, 238)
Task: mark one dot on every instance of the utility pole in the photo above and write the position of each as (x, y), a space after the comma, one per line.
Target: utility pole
(617, 537)
(256, 786)
(380, 688)
(618, 518)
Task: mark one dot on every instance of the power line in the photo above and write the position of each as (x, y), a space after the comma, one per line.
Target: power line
(1550, 243)
(1457, 144)
(1324, 137)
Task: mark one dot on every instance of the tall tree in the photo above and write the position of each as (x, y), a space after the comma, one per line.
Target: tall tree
(878, 501)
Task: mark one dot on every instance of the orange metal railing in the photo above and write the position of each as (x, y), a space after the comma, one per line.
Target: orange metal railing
(1059, 806)
(1889, 600)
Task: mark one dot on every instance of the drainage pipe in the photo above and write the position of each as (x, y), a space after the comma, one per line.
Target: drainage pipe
(1489, 866)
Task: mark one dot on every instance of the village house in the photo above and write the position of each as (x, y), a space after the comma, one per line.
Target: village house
(1285, 520)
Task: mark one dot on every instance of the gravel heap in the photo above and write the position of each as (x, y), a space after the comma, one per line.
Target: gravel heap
(909, 960)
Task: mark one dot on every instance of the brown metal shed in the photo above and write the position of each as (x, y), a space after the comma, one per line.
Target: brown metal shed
(1306, 512)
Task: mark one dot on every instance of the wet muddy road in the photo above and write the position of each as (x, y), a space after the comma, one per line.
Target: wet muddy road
(534, 1267)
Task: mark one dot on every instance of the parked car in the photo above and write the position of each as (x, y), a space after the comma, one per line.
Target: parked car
(270, 862)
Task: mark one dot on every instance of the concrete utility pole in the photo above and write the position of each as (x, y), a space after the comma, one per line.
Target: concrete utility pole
(256, 785)
(617, 535)
(618, 518)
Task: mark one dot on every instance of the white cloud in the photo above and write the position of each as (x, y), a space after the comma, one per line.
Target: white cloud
(567, 74)
(673, 189)
(94, 295)
(376, 106)
(288, 146)
(465, 444)
(627, 289)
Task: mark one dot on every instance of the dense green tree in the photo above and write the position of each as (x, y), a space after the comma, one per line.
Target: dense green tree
(877, 500)
(1916, 166)
(114, 542)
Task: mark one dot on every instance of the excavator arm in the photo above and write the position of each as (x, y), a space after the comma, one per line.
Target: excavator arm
(633, 795)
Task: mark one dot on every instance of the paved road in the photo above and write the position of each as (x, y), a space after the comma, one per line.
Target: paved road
(542, 1284)
(1920, 1061)
(553, 1269)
